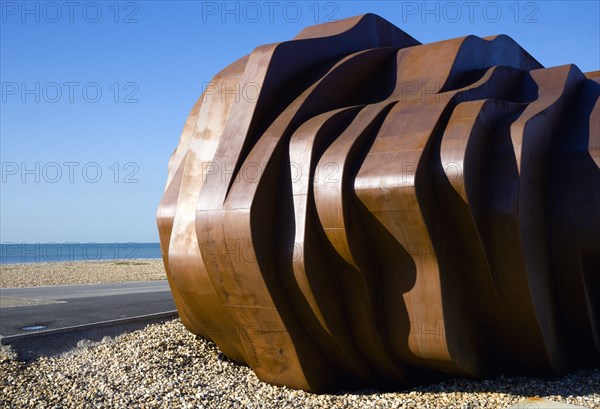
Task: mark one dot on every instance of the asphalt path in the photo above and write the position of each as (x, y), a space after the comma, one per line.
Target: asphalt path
(27, 310)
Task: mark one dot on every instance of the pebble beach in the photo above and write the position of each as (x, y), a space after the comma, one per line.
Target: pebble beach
(81, 272)
(165, 366)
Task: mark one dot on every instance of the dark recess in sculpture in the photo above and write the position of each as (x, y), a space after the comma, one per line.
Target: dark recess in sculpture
(352, 208)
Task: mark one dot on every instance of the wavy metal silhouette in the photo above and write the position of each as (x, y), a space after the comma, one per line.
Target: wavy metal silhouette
(354, 208)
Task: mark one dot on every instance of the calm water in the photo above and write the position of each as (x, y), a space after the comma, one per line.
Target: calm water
(52, 252)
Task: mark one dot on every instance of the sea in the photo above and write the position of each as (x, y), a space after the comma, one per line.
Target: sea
(11, 253)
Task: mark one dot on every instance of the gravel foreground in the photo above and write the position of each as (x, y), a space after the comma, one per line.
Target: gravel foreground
(165, 366)
(81, 272)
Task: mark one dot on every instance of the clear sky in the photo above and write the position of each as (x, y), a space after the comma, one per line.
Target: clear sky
(95, 94)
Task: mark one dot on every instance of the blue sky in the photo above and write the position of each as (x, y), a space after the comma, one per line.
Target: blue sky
(95, 94)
